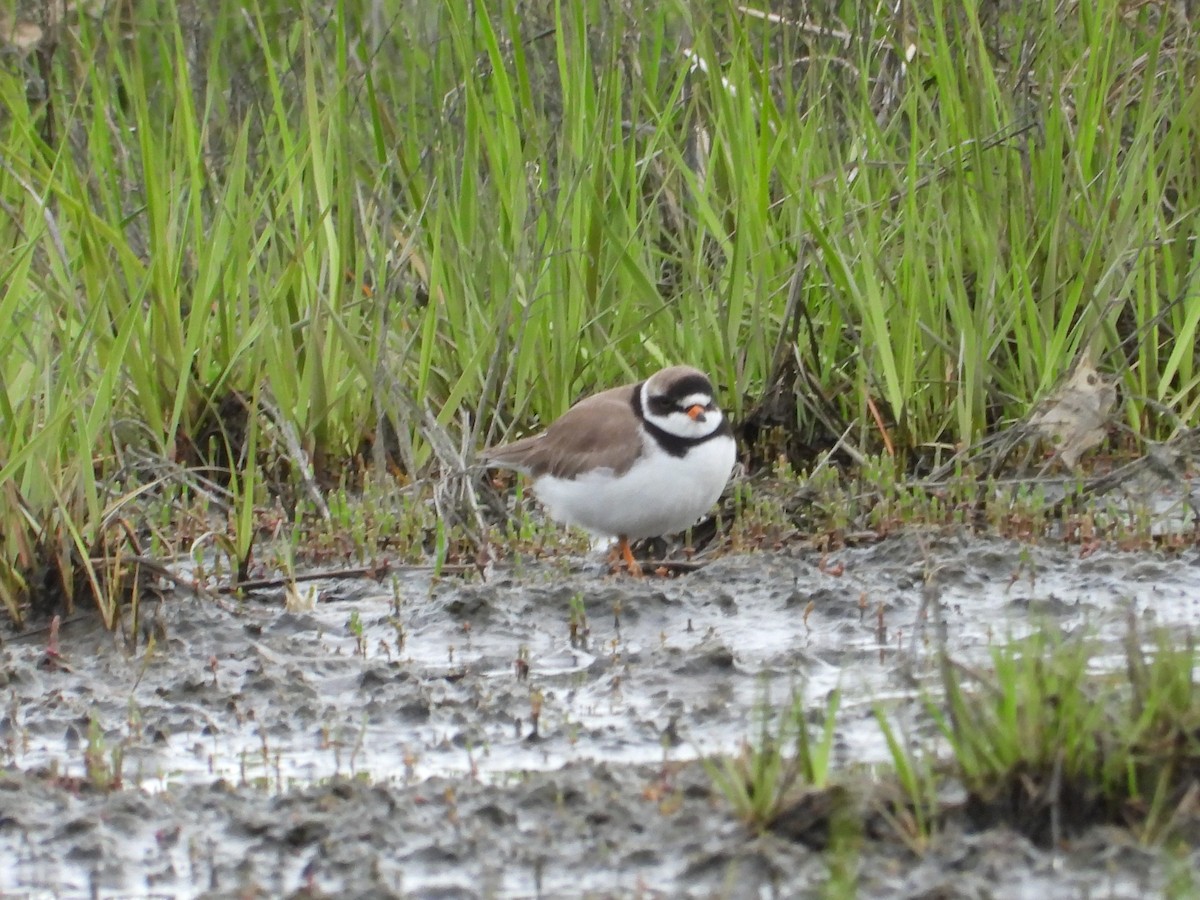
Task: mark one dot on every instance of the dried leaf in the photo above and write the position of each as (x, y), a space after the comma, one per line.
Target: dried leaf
(23, 36)
(1077, 416)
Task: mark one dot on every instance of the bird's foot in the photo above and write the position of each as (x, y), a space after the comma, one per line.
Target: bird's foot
(622, 554)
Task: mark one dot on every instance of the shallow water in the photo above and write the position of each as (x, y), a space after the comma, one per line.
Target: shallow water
(272, 748)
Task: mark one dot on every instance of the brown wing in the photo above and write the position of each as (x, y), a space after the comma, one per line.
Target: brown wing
(597, 432)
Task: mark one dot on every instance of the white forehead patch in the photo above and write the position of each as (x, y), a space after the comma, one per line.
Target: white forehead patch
(695, 400)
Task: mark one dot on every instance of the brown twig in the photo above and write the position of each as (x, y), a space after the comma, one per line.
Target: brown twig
(375, 571)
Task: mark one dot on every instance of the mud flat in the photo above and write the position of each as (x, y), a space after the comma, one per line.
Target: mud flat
(537, 734)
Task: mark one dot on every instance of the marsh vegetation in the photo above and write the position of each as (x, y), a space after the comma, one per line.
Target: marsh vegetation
(273, 272)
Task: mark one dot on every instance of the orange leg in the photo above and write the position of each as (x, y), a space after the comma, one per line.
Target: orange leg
(635, 568)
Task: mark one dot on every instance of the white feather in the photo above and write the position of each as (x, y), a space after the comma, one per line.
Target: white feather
(660, 494)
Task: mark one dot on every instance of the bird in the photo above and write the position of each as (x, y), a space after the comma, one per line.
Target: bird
(637, 461)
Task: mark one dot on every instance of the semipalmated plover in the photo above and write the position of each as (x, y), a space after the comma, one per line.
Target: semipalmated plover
(637, 461)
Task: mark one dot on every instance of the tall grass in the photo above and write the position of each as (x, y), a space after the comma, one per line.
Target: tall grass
(457, 217)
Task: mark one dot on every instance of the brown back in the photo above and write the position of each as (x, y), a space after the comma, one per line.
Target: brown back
(600, 431)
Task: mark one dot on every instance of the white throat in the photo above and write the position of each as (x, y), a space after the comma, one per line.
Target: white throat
(678, 422)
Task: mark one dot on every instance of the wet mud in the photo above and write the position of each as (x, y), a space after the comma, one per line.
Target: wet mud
(537, 734)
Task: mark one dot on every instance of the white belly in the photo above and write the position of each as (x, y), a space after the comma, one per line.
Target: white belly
(660, 494)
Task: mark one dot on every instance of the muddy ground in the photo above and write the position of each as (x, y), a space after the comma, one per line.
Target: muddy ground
(382, 741)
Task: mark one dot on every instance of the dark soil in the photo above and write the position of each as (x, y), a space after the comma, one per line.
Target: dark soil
(375, 746)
